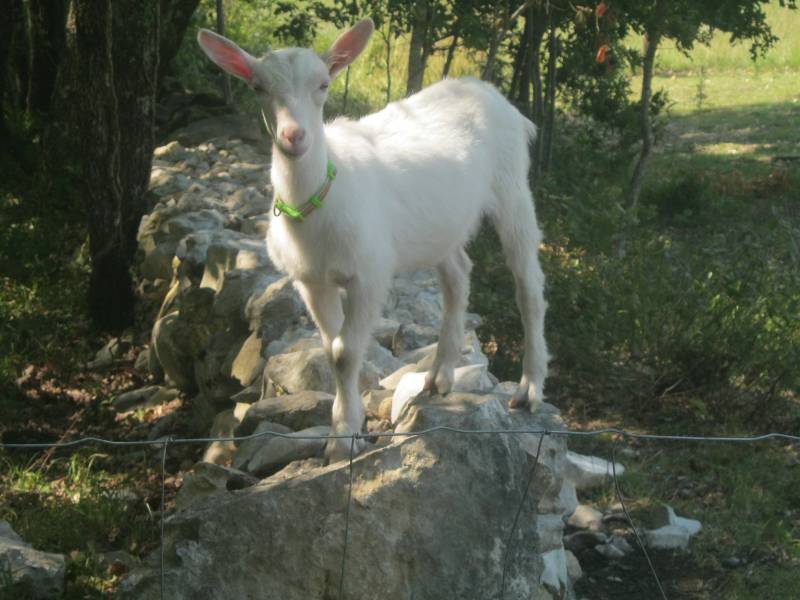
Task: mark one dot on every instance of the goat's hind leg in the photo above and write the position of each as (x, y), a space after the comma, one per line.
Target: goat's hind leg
(520, 236)
(454, 280)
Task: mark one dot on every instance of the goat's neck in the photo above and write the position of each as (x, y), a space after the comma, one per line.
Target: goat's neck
(295, 180)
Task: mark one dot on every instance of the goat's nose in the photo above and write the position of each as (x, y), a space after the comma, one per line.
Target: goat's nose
(293, 135)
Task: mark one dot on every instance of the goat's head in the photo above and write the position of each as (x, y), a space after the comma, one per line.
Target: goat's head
(291, 84)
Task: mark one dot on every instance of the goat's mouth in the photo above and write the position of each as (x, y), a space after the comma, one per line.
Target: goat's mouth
(291, 151)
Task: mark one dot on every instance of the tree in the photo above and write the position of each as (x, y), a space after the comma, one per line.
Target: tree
(685, 22)
(116, 67)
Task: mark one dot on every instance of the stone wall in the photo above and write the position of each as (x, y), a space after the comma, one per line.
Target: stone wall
(430, 516)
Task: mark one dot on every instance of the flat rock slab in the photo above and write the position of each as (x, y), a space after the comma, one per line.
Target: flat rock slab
(429, 518)
(34, 574)
(295, 411)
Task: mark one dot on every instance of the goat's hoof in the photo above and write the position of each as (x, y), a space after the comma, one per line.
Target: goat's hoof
(338, 449)
(439, 382)
(524, 398)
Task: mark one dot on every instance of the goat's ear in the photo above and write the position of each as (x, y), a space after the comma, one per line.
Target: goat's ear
(228, 56)
(348, 46)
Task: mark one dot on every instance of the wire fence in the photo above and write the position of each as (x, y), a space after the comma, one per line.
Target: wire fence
(617, 434)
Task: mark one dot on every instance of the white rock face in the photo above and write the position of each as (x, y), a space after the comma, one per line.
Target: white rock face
(674, 534)
(233, 333)
(34, 574)
(417, 527)
(587, 472)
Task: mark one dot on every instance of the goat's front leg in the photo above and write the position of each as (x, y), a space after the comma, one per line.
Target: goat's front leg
(361, 309)
(324, 302)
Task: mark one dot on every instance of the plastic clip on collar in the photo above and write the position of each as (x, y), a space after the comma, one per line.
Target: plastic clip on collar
(299, 213)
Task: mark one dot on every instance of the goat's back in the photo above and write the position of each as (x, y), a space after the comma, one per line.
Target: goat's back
(426, 168)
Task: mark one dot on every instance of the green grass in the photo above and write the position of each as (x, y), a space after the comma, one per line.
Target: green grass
(721, 55)
(74, 507)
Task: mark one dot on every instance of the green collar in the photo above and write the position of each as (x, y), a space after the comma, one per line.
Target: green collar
(299, 213)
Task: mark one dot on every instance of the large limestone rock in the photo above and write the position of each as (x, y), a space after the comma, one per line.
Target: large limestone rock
(430, 517)
(33, 574)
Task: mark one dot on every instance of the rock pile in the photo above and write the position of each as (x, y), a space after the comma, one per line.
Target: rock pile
(430, 516)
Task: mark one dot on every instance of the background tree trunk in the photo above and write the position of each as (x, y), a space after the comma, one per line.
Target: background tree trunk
(226, 79)
(117, 71)
(8, 22)
(417, 49)
(550, 103)
(651, 40)
(47, 36)
(451, 50)
(175, 18)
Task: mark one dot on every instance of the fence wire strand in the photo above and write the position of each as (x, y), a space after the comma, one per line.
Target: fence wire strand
(630, 520)
(164, 443)
(510, 540)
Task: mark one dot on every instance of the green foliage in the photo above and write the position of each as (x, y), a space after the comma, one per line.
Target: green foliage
(75, 508)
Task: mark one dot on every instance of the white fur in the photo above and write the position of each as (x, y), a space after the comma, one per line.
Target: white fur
(413, 182)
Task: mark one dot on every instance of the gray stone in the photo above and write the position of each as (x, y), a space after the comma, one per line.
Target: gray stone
(168, 345)
(249, 363)
(411, 336)
(33, 573)
(399, 542)
(674, 534)
(105, 357)
(208, 479)
(238, 286)
(249, 447)
(583, 540)
(297, 411)
(224, 425)
(296, 372)
(275, 309)
(586, 517)
(392, 381)
(383, 359)
(616, 547)
(587, 472)
(574, 570)
(133, 399)
(384, 331)
(277, 452)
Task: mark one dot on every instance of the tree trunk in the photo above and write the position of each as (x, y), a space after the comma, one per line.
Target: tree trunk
(645, 124)
(8, 20)
(417, 48)
(520, 76)
(18, 57)
(226, 79)
(550, 104)
(47, 34)
(387, 40)
(175, 18)
(117, 71)
(495, 37)
(451, 50)
(651, 41)
(537, 33)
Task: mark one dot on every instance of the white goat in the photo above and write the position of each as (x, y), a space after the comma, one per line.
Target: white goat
(411, 185)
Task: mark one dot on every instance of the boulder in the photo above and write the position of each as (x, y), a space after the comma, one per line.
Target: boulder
(249, 447)
(587, 472)
(299, 371)
(296, 411)
(278, 451)
(430, 517)
(32, 573)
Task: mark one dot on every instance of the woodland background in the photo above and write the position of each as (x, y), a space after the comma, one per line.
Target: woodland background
(666, 180)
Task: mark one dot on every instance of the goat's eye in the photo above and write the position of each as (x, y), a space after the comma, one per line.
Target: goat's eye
(324, 86)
